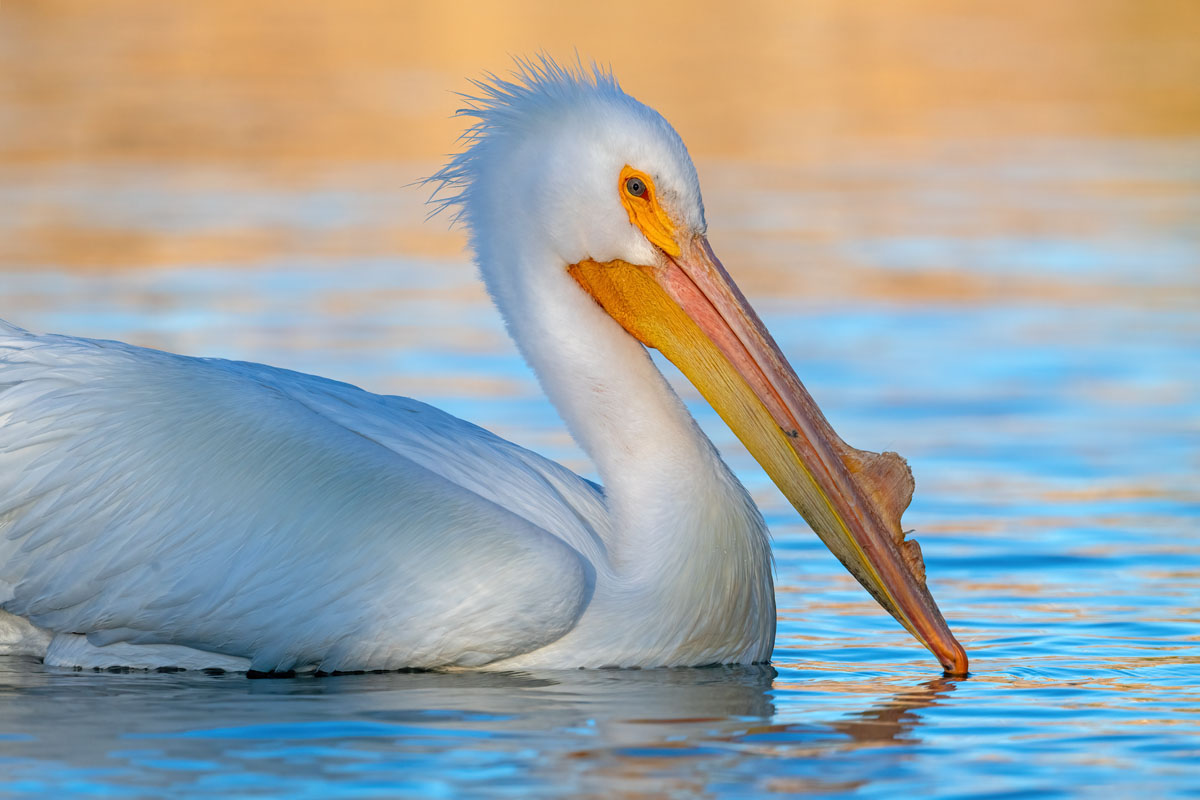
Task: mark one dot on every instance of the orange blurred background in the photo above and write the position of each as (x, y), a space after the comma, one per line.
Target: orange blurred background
(360, 92)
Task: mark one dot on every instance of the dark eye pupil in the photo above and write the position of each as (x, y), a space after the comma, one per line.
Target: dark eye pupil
(635, 187)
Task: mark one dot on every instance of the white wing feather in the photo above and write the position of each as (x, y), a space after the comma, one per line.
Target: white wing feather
(151, 498)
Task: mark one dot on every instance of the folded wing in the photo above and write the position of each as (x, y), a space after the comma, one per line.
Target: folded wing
(235, 508)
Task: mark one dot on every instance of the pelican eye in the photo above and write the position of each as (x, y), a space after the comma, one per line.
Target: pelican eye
(636, 187)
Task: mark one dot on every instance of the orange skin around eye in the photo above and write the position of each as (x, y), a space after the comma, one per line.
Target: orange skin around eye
(646, 214)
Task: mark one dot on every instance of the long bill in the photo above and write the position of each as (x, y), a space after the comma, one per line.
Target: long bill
(688, 308)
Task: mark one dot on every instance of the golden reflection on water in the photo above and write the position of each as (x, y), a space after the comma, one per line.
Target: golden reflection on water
(285, 81)
(281, 92)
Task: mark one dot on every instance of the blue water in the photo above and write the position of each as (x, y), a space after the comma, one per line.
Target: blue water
(1042, 379)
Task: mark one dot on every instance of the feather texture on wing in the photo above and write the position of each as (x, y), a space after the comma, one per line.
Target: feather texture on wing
(373, 519)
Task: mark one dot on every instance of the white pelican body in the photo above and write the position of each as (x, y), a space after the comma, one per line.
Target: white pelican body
(161, 510)
(389, 534)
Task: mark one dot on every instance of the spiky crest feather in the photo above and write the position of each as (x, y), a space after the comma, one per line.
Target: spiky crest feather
(537, 85)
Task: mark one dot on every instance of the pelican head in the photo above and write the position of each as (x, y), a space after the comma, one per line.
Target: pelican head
(570, 185)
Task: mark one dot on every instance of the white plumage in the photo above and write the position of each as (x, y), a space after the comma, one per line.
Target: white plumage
(262, 518)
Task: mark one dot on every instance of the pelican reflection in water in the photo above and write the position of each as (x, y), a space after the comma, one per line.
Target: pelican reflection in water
(158, 510)
(599, 726)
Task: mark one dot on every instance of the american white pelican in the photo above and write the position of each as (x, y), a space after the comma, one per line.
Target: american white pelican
(157, 509)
